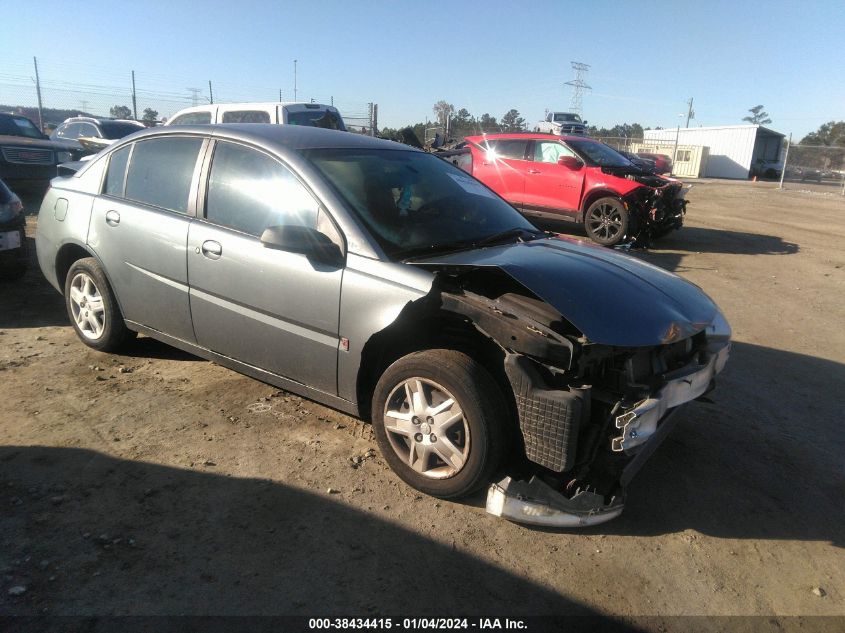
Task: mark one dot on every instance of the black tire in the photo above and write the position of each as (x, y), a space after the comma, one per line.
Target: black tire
(102, 329)
(606, 221)
(12, 272)
(479, 435)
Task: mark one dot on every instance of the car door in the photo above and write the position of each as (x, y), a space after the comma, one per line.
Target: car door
(550, 187)
(270, 308)
(139, 229)
(501, 165)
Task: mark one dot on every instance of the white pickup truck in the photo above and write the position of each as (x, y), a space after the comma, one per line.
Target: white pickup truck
(562, 123)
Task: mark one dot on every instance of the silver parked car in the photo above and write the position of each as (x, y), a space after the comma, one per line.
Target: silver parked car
(389, 284)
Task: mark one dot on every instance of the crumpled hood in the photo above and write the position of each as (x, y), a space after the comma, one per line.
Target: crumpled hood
(612, 298)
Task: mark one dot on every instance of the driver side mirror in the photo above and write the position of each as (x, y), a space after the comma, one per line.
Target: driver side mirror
(570, 162)
(294, 238)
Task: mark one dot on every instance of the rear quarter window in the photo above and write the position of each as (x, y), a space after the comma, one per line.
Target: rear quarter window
(192, 118)
(161, 172)
(116, 173)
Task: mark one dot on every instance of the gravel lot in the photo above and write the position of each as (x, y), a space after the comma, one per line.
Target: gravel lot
(157, 483)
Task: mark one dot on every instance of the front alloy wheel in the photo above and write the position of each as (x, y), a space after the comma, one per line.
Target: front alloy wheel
(426, 428)
(606, 221)
(439, 420)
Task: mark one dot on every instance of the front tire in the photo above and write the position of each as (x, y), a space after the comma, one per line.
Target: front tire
(438, 418)
(606, 221)
(92, 307)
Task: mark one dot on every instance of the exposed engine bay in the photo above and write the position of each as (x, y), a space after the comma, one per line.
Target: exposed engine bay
(588, 413)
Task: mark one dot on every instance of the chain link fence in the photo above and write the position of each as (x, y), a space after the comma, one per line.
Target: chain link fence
(818, 167)
(40, 92)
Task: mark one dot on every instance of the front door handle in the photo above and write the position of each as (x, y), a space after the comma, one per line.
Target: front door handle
(534, 171)
(112, 218)
(211, 249)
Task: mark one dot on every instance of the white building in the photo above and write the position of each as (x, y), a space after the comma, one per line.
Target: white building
(733, 148)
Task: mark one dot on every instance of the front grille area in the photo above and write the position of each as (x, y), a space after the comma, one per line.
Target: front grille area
(29, 156)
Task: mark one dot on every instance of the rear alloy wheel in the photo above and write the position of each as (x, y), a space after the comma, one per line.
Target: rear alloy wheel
(437, 416)
(606, 221)
(92, 308)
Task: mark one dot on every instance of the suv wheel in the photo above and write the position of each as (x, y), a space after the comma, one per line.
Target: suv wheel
(438, 418)
(92, 308)
(606, 221)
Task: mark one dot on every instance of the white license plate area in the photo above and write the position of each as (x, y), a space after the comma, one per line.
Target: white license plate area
(10, 240)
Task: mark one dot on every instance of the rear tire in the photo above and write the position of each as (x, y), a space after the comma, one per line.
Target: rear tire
(439, 420)
(606, 221)
(92, 307)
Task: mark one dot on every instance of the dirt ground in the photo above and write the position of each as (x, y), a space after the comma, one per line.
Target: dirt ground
(157, 483)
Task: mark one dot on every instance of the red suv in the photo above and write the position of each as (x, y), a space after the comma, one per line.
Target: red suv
(581, 180)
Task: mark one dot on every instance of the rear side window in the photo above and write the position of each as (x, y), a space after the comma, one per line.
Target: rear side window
(161, 171)
(246, 116)
(514, 150)
(249, 191)
(192, 118)
(317, 118)
(116, 174)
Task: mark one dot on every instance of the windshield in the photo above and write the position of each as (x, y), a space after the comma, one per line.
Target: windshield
(566, 116)
(416, 204)
(19, 126)
(317, 118)
(115, 130)
(599, 154)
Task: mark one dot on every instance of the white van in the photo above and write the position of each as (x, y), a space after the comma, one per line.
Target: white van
(311, 114)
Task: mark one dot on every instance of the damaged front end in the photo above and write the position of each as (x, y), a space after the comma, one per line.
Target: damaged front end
(594, 394)
(656, 208)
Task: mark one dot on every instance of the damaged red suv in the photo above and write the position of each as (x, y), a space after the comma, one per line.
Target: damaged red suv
(578, 179)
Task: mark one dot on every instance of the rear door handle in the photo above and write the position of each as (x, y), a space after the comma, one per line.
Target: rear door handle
(112, 218)
(211, 249)
(534, 171)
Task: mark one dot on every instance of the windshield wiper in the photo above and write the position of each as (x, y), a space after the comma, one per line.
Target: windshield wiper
(507, 234)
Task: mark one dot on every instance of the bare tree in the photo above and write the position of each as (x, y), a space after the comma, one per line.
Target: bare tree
(443, 111)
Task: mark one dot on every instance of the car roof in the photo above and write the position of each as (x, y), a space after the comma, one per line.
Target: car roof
(521, 136)
(269, 135)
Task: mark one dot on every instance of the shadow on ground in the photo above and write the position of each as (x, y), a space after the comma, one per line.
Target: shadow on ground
(123, 537)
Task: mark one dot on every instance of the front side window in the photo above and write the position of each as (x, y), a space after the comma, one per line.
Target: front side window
(249, 191)
(161, 171)
(192, 118)
(550, 151)
(116, 174)
(599, 154)
(246, 116)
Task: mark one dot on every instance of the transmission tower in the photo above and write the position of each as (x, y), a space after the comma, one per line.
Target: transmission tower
(578, 86)
(194, 95)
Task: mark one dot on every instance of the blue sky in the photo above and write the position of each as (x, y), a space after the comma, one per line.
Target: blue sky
(646, 58)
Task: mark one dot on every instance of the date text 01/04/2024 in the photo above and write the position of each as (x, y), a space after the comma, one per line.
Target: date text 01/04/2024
(415, 624)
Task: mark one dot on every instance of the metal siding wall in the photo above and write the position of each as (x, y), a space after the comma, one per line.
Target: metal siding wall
(731, 148)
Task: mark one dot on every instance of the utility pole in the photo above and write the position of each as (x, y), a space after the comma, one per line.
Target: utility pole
(690, 111)
(210, 93)
(294, 80)
(38, 91)
(785, 159)
(578, 86)
(84, 106)
(134, 100)
(280, 95)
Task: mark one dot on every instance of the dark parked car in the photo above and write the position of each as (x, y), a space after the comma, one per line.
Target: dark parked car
(387, 283)
(645, 164)
(105, 131)
(28, 159)
(13, 253)
(662, 162)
